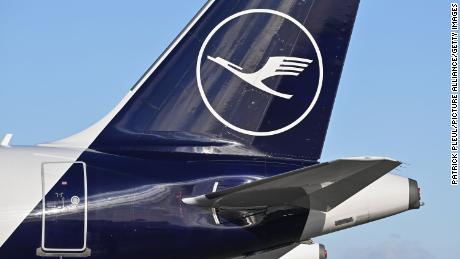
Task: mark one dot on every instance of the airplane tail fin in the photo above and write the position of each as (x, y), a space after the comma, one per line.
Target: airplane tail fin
(191, 103)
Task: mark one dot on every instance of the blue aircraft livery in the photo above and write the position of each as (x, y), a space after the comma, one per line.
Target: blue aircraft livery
(214, 153)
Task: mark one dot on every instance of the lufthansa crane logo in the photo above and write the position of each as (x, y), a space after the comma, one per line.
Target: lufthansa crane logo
(275, 66)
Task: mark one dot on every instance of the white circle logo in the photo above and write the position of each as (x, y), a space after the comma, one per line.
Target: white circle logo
(304, 64)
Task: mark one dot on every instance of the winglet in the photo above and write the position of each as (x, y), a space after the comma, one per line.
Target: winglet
(6, 140)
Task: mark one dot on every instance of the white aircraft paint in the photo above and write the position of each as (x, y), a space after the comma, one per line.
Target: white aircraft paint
(21, 185)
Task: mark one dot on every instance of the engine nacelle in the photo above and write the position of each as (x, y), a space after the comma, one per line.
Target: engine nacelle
(389, 195)
(305, 251)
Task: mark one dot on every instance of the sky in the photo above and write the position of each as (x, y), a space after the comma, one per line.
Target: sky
(65, 64)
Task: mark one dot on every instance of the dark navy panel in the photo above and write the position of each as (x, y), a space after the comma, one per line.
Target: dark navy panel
(136, 210)
(170, 101)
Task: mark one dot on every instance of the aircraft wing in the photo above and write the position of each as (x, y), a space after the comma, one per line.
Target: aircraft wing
(320, 187)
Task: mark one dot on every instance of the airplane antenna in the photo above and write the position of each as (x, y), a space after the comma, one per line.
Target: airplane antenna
(6, 140)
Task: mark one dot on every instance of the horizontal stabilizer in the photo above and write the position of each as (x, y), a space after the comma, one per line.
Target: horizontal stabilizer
(320, 187)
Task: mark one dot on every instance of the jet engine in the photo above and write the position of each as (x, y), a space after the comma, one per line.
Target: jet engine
(390, 195)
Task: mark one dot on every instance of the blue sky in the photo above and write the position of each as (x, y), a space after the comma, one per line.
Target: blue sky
(64, 64)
